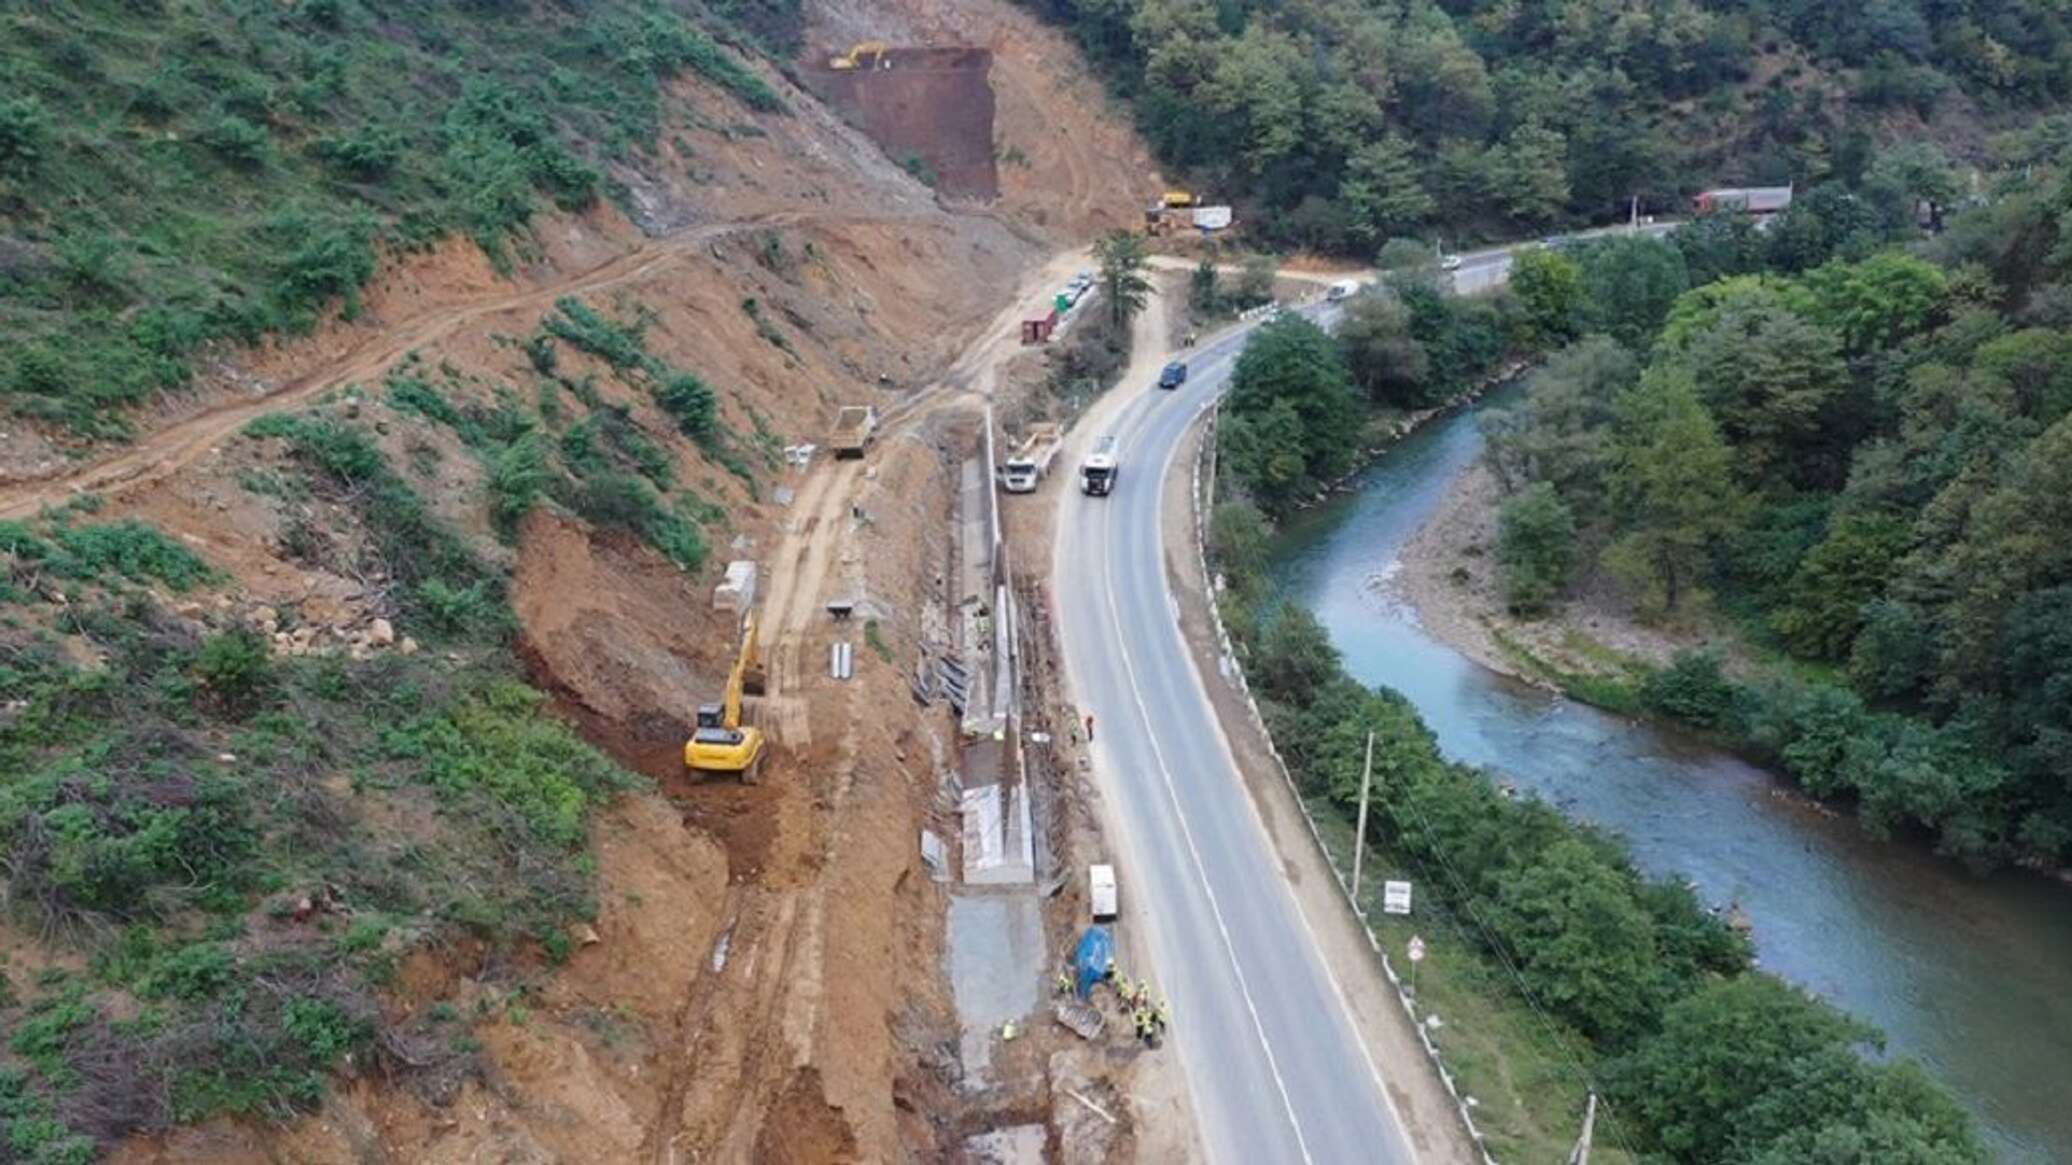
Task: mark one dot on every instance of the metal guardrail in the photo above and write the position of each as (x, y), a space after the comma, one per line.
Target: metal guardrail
(1203, 497)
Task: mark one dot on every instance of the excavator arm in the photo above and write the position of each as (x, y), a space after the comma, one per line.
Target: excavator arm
(721, 743)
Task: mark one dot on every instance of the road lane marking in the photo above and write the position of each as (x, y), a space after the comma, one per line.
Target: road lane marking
(1351, 1015)
(1201, 873)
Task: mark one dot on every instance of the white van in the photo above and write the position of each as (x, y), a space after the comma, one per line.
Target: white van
(1342, 289)
(1100, 885)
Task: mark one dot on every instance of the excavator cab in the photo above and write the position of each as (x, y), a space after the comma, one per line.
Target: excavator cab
(721, 743)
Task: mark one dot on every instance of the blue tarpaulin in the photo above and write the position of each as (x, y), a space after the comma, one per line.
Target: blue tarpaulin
(1093, 959)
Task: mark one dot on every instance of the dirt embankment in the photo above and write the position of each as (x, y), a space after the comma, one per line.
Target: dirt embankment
(762, 980)
(1447, 573)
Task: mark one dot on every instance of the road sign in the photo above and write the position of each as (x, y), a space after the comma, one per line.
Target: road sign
(1395, 897)
(1416, 949)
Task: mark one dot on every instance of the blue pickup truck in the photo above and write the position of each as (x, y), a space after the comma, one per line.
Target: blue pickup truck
(1174, 376)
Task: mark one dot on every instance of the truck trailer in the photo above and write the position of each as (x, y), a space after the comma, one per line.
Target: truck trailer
(1031, 459)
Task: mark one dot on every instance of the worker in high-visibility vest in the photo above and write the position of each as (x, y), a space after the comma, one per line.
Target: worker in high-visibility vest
(1064, 983)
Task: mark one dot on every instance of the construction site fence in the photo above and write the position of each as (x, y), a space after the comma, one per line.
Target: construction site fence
(1204, 499)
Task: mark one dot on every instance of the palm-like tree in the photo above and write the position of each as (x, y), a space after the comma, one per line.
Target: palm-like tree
(1122, 275)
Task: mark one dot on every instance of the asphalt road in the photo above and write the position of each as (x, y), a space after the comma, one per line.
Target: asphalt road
(1275, 1067)
(1480, 271)
(1274, 1064)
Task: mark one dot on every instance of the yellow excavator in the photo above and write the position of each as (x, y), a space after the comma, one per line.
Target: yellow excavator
(722, 743)
(874, 50)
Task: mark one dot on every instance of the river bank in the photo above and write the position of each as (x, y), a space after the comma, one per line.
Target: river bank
(1963, 972)
(1447, 576)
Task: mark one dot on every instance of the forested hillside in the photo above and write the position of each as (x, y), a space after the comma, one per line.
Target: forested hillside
(1868, 464)
(174, 172)
(1340, 123)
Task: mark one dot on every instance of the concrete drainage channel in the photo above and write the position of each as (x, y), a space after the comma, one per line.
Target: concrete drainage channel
(997, 955)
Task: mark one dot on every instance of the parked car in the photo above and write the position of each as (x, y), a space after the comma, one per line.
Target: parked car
(1450, 263)
(1174, 376)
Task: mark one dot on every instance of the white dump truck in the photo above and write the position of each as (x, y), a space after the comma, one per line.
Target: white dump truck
(1098, 472)
(1031, 459)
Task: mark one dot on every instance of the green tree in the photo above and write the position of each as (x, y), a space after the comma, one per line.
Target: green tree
(1717, 1052)
(1294, 660)
(1768, 376)
(1910, 173)
(24, 134)
(1848, 569)
(1878, 302)
(1257, 85)
(1535, 548)
(1292, 416)
(1549, 287)
(1672, 487)
(1386, 361)
(1632, 284)
(1562, 432)
(1533, 173)
(1255, 281)
(1580, 940)
(1123, 285)
(1382, 190)
(1204, 297)
(2036, 661)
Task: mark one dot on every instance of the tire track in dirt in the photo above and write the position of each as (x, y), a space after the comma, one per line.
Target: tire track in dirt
(166, 451)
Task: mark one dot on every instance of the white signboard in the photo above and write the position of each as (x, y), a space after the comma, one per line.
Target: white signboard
(1211, 218)
(1395, 897)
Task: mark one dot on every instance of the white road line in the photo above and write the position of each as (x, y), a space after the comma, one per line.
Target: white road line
(1194, 853)
(1165, 467)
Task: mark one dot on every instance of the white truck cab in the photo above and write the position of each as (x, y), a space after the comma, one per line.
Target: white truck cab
(1098, 472)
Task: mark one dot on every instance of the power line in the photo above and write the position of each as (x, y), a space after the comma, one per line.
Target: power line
(1466, 905)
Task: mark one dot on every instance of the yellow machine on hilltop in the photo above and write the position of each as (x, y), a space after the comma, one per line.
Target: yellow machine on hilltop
(722, 743)
(874, 50)
(1177, 199)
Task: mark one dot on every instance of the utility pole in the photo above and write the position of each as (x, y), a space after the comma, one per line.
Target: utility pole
(1360, 831)
(1581, 1155)
(1633, 218)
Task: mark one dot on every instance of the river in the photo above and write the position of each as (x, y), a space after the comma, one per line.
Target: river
(1972, 976)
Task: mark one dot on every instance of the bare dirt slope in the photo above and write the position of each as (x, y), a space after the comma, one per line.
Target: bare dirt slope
(1068, 162)
(762, 979)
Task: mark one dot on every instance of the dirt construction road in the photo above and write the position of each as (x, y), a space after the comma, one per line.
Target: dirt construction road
(166, 451)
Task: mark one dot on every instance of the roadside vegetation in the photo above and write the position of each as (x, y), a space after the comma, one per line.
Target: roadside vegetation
(219, 171)
(1338, 126)
(1305, 406)
(1858, 459)
(1569, 970)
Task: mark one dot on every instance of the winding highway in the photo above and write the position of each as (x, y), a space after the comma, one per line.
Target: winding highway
(1274, 1059)
(1274, 1063)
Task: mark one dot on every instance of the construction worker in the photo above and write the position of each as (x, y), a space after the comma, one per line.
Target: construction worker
(1065, 983)
(1089, 727)
(1123, 989)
